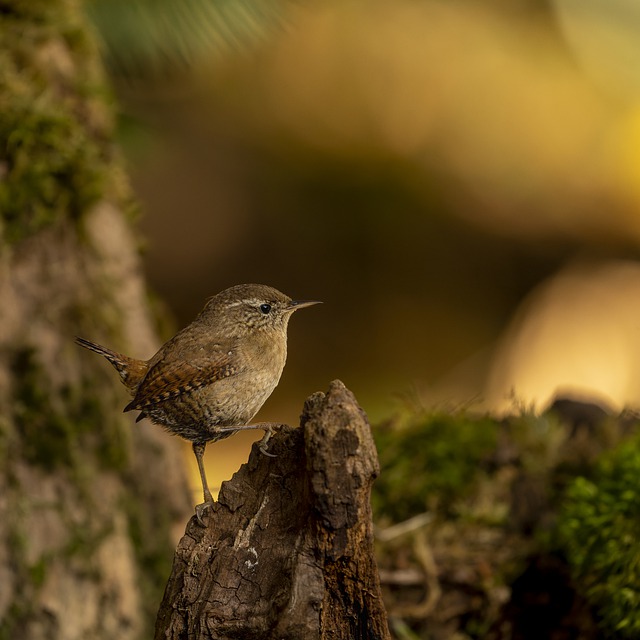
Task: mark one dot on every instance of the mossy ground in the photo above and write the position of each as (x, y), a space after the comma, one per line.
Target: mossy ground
(598, 528)
(529, 525)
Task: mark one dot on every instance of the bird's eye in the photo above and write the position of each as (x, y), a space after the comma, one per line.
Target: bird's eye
(265, 308)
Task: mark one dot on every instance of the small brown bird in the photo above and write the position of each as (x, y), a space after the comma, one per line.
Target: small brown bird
(211, 378)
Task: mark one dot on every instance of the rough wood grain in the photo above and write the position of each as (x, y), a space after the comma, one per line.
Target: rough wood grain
(288, 550)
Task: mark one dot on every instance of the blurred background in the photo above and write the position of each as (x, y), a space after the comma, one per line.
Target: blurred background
(459, 182)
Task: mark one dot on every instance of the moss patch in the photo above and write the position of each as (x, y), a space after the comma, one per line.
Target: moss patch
(151, 539)
(58, 428)
(45, 435)
(599, 527)
(55, 151)
(528, 527)
(430, 461)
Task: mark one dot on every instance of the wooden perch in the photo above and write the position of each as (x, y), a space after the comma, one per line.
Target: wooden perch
(288, 550)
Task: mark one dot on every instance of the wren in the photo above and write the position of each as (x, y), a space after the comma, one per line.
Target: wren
(209, 380)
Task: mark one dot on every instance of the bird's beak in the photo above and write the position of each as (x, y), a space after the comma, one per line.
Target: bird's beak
(294, 305)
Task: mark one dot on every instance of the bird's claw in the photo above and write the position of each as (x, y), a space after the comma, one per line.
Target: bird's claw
(262, 444)
(200, 509)
(263, 450)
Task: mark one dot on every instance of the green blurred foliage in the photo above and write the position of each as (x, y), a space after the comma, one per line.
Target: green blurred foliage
(147, 37)
(430, 462)
(436, 460)
(599, 528)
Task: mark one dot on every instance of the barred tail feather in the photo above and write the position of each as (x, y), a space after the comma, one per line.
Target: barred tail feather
(103, 351)
(131, 371)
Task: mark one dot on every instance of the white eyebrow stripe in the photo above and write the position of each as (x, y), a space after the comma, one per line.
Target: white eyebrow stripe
(253, 301)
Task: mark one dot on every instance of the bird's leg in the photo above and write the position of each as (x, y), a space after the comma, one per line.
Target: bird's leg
(268, 432)
(198, 450)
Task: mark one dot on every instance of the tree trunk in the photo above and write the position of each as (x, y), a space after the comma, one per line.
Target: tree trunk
(288, 548)
(86, 501)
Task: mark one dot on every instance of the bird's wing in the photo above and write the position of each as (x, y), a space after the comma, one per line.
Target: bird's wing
(166, 380)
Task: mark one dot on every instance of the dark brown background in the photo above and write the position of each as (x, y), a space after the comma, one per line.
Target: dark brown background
(456, 183)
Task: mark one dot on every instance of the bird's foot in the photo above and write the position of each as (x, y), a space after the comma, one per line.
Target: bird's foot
(262, 443)
(201, 509)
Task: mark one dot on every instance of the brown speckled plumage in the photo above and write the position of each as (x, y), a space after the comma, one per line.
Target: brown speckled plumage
(217, 372)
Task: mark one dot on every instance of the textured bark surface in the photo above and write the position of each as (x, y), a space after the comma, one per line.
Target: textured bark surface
(288, 548)
(87, 500)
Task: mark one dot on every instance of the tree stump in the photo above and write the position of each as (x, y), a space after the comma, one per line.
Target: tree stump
(288, 548)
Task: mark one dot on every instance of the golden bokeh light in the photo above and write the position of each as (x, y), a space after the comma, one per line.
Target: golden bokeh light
(578, 334)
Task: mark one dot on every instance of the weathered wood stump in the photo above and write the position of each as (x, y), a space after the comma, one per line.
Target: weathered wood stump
(288, 548)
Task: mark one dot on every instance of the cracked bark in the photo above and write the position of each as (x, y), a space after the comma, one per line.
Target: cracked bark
(288, 548)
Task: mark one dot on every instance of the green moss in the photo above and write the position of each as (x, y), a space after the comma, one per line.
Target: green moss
(38, 572)
(22, 602)
(599, 527)
(5, 437)
(54, 168)
(46, 437)
(60, 428)
(112, 431)
(430, 462)
(436, 460)
(535, 498)
(89, 410)
(150, 537)
(12, 623)
(33, 10)
(54, 143)
(83, 543)
(30, 576)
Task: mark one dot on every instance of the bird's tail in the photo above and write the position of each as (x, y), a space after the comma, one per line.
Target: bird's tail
(131, 370)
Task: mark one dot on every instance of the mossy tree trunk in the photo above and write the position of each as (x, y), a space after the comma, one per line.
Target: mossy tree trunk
(87, 501)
